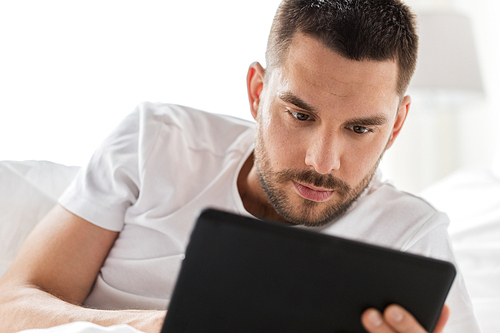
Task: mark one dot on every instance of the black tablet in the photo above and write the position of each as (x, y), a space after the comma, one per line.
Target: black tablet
(246, 275)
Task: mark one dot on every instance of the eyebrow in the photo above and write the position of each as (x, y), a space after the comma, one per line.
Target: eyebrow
(377, 120)
(290, 98)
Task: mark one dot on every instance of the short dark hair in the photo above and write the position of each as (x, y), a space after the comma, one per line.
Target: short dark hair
(356, 29)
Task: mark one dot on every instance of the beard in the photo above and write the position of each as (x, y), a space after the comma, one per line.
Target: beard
(308, 213)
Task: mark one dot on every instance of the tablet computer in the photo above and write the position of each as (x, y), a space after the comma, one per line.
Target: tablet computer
(246, 275)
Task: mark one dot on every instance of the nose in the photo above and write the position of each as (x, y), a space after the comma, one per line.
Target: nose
(324, 152)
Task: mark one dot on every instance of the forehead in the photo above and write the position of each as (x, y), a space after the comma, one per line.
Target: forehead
(318, 74)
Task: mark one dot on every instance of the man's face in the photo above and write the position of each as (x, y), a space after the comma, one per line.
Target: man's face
(323, 124)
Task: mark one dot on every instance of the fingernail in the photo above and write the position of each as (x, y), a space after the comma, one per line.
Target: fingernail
(375, 318)
(396, 314)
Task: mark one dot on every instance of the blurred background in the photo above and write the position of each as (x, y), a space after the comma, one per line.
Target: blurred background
(71, 70)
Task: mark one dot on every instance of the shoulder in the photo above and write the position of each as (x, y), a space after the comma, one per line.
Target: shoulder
(189, 127)
(185, 117)
(387, 216)
(181, 127)
(384, 196)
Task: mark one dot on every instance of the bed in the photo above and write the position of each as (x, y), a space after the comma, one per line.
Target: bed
(472, 200)
(470, 197)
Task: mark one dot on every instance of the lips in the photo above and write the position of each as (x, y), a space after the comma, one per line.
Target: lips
(312, 193)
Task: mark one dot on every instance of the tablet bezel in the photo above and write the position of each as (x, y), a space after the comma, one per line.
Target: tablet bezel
(248, 275)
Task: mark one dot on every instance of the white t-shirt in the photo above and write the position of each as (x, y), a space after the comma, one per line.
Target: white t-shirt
(165, 163)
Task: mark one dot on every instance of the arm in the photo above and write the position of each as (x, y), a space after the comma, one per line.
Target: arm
(395, 319)
(53, 274)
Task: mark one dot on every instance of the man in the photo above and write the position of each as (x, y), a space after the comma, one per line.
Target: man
(329, 104)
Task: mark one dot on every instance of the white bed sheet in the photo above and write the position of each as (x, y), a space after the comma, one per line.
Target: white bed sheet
(28, 190)
(85, 327)
(472, 200)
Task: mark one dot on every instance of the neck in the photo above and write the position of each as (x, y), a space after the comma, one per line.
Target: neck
(252, 195)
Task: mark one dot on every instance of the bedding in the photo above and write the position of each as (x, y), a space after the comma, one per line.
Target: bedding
(85, 327)
(471, 198)
(28, 190)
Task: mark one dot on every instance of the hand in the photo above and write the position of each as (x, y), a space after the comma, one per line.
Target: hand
(395, 319)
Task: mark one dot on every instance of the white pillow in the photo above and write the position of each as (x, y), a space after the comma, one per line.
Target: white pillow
(496, 164)
(28, 190)
(472, 200)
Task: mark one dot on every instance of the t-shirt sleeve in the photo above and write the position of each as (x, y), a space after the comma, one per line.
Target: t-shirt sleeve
(109, 184)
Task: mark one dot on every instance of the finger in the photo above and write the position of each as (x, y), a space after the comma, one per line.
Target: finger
(373, 322)
(445, 314)
(401, 320)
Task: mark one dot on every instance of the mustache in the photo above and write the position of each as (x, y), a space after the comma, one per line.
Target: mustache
(310, 177)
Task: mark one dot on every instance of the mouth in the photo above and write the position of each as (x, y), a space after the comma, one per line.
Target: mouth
(312, 193)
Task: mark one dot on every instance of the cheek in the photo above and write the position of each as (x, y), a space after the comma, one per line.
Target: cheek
(364, 157)
(282, 144)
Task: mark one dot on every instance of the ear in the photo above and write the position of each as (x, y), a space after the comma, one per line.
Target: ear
(255, 84)
(400, 120)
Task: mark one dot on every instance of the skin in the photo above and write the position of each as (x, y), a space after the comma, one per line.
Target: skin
(323, 114)
(54, 272)
(60, 260)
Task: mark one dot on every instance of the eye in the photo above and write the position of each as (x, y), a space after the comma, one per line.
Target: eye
(359, 129)
(300, 116)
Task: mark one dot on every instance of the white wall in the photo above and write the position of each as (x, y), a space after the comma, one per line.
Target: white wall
(70, 70)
